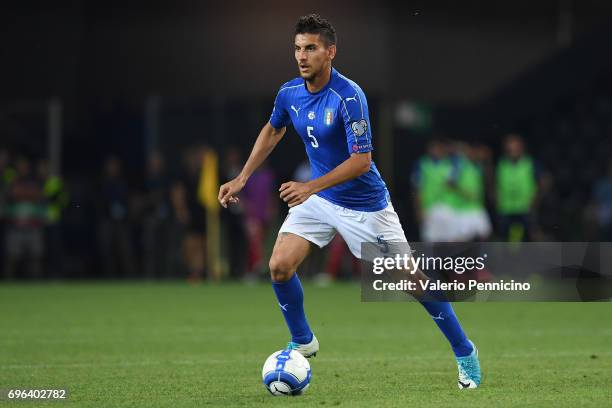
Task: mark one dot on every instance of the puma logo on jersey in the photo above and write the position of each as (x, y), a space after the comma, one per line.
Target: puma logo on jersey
(353, 98)
(297, 111)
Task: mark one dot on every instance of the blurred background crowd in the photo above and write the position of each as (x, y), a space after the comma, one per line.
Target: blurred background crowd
(156, 227)
(110, 160)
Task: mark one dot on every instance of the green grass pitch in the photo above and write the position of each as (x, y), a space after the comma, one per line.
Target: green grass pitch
(173, 345)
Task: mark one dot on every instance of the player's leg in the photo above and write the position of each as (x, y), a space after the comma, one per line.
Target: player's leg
(385, 226)
(305, 224)
(466, 354)
(289, 252)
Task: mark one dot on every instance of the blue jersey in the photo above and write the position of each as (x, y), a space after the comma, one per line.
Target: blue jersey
(333, 123)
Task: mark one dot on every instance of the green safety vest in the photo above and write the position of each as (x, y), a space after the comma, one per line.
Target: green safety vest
(516, 186)
(471, 186)
(8, 175)
(57, 198)
(433, 187)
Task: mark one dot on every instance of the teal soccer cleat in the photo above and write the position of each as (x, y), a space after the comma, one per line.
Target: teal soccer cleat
(469, 370)
(307, 350)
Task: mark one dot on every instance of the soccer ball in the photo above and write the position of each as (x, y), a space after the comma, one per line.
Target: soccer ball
(286, 372)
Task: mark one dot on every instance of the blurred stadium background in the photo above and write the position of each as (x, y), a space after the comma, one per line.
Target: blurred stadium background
(118, 121)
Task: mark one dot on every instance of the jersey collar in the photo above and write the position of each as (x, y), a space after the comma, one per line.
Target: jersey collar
(334, 74)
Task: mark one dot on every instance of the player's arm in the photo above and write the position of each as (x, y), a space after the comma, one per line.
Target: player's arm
(295, 193)
(266, 141)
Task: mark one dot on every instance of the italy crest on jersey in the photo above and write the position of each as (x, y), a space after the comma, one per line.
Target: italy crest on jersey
(329, 116)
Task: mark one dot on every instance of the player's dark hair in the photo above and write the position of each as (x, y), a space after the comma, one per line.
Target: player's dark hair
(315, 24)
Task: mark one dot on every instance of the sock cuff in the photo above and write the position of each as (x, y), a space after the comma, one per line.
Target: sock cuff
(287, 282)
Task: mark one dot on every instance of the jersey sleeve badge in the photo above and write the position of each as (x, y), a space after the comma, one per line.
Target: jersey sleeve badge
(359, 127)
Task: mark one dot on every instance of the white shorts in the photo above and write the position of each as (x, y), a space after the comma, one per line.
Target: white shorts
(445, 224)
(474, 224)
(440, 224)
(317, 220)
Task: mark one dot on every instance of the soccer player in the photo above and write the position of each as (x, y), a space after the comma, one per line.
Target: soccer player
(346, 193)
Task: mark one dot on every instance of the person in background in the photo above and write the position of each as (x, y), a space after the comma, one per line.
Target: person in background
(484, 158)
(235, 240)
(25, 210)
(7, 174)
(56, 200)
(433, 179)
(469, 203)
(178, 227)
(602, 197)
(115, 238)
(156, 218)
(517, 179)
(472, 222)
(191, 214)
(260, 209)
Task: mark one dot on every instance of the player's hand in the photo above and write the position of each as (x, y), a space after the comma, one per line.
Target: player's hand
(228, 192)
(294, 193)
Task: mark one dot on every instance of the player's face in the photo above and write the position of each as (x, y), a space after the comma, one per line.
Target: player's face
(514, 147)
(437, 149)
(312, 55)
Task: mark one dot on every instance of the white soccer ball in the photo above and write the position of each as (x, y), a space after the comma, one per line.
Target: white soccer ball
(286, 372)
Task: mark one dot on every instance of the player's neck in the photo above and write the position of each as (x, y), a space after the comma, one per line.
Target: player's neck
(319, 81)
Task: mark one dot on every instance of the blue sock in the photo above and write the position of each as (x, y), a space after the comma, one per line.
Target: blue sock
(291, 301)
(444, 316)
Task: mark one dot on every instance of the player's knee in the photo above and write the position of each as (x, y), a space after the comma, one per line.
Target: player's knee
(281, 268)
